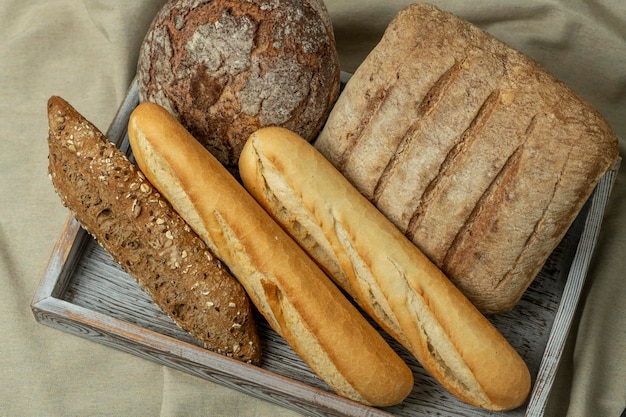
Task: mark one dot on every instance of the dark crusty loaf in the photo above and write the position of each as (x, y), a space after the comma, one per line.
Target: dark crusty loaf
(116, 204)
(225, 68)
(469, 147)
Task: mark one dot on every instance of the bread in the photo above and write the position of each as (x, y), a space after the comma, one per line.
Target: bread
(225, 68)
(385, 273)
(298, 300)
(116, 204)
(470, 148)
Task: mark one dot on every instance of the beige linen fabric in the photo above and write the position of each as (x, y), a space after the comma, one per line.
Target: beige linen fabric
(86, 52)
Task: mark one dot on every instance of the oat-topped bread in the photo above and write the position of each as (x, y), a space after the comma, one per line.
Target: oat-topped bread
(225, 68)
(116, 204)
(475, 152)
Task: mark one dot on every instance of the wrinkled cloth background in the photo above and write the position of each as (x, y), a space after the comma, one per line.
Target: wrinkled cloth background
(86, 51)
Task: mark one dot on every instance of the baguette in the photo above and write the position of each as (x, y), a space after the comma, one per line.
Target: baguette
(115, 203)
(388, 276)
(298, 300)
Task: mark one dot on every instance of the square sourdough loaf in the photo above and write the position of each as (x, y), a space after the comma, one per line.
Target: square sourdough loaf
(480, 156)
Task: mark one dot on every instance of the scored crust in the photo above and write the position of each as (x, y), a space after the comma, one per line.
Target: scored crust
(386, 275)
(298, 300)
(470, 148)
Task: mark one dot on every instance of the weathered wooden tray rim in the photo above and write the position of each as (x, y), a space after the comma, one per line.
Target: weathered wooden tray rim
(51, 310)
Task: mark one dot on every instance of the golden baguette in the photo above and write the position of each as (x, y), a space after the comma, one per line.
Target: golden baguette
(388, 276)
(298, 300)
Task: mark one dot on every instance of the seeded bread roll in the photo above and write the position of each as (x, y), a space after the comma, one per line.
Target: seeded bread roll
(116, 204)
(470, 148)
(225, 68)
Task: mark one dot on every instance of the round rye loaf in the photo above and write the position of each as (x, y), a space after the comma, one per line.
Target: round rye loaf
(225, 68)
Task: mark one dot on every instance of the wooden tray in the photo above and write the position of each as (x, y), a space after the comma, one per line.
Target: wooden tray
(85, 293)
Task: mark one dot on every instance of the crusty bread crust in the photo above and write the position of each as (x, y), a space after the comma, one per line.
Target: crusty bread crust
(116, 204)
(386, 274)
(470, 148)
(225, 68)
(298, 300)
